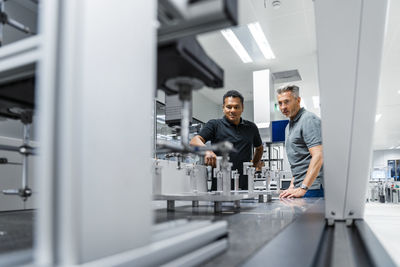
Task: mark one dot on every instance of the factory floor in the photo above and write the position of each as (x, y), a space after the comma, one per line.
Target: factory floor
(384, 221)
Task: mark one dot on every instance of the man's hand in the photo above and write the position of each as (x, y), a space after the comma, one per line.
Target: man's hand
(259, 165)
(210, 159)
(292, 193)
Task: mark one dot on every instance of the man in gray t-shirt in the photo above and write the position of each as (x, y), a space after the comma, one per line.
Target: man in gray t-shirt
(303, 146)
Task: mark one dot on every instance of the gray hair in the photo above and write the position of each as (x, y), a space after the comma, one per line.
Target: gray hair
(294, 89)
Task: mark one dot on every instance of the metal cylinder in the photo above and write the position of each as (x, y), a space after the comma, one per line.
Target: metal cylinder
(157, 179)
(226, 181)
(185, 123)
(25, 157)
(236, 181)
(395, 194)
(219, 181)
(250, 179)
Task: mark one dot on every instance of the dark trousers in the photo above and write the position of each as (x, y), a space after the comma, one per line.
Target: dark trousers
(315, 193)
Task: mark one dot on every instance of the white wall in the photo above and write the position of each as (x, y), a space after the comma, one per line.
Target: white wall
(248, 112)
(203, 108)
(380, 157)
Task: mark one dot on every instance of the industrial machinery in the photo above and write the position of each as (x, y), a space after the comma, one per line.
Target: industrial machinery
(17, 93)
(183, 66)
(90, 212)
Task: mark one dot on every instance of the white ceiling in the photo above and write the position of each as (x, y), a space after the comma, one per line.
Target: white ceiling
(290, 31)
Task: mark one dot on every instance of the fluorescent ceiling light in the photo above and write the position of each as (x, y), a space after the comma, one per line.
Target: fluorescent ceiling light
(232, 39)
(302, 103)
(315, 100)
(392, 147)
(398, 147)
(377, 117)
(261, 40)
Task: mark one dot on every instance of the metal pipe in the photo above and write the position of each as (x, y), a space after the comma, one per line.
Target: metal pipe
(25, 157)
(185, 123)
(11, 192)
(19, 26)
(1, 24)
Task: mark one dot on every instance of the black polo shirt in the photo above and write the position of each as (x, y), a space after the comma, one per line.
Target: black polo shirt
(243, 136)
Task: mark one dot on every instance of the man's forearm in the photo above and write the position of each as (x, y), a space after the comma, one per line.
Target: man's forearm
(257, 155)
(197, 141)
(313, 170)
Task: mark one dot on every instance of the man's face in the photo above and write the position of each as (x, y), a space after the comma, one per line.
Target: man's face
(233, 109)
(288, 104)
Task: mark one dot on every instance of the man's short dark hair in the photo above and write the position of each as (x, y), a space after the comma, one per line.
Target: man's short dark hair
(232, 93)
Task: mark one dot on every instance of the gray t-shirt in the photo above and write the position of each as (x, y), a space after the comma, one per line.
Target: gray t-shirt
(302, 133)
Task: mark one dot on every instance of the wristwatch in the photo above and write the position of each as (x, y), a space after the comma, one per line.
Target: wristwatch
(303, 186)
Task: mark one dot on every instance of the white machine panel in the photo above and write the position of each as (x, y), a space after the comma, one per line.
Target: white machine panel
(349, 39)
(174, 181)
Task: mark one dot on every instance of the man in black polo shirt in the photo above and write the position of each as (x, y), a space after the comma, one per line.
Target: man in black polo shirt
(243, 134)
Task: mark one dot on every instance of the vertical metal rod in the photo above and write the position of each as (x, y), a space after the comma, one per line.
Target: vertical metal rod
(236, 204)
(226, 177)
(1, 24)
(185, 122)
(250, 179)
(269, 155)
(217, 207)
(25, 157)
(155, 128)
(170, 205)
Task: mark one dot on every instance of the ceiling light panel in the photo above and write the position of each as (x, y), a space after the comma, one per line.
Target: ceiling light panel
(378, 117)
(232, 39)
(249, 42)
(262, 42)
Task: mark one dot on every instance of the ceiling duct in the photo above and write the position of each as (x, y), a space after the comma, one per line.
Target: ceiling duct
(286, 76)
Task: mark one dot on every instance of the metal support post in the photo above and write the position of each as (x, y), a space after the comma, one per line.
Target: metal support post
(170, 205)
(217, 206)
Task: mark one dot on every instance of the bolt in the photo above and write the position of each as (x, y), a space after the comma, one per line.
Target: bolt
(333, 213)
(351, 213)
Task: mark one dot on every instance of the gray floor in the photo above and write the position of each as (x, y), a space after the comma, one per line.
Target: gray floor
(16, 230)
(249, 229)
